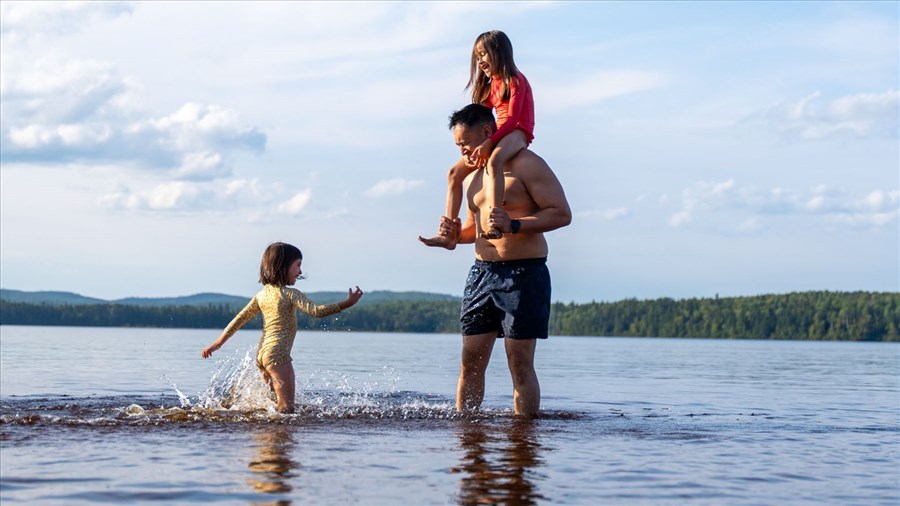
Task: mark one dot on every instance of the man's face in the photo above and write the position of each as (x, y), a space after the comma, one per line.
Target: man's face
(469, 138)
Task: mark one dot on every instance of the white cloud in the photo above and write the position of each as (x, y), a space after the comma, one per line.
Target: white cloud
(33, 137)
(864, 220)
(56, 90)
(21, 21)
(195, 125)
(617, 213)
(680, 218)
(748, 205)
(165, 196)
(749, 225)
(193, 196)
(296, 204)
(861, 115)
(597, 87)
(389, 187)
(202, 166)
(57, 112)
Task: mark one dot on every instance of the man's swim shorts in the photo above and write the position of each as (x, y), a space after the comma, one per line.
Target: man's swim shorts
(509, 297)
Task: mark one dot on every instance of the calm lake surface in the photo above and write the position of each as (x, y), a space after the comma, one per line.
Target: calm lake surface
(135, 416)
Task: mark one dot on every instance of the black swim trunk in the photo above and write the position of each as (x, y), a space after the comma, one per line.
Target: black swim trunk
(512, 298)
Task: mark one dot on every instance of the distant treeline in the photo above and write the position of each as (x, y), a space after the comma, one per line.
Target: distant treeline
(846, 316)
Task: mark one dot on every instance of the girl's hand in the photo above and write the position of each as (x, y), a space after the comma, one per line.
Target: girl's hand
(481, 153)
(353, 297)
(210, 349)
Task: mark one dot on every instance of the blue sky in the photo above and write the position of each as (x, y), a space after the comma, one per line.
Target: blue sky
(154, 149)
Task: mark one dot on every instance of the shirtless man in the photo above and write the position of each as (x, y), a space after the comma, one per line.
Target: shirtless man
(508, 289)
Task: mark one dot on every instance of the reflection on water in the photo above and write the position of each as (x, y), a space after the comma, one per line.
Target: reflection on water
(272, 466)
(499, 462)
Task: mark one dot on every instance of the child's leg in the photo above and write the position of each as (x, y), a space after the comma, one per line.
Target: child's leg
(507, 148)
(283, 382)
(455, 177)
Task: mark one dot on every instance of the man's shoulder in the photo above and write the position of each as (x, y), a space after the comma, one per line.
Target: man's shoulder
(527, 160)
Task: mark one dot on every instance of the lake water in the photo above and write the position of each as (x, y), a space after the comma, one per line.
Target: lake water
(135, 416)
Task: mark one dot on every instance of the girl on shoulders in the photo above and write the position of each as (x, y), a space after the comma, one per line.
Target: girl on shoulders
(497, 83)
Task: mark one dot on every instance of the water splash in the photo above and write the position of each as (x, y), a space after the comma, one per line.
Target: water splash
(237, 385)
(237, 393)
(185, 401)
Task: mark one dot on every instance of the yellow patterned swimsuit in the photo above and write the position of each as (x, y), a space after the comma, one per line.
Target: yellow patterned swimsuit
(279, 305)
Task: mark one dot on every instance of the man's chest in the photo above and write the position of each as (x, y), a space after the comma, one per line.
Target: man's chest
(515, 195)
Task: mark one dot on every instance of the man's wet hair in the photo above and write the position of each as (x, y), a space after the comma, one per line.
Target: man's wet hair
(473, 115)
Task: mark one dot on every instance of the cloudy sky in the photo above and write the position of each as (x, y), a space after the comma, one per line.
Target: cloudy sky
(155, 149)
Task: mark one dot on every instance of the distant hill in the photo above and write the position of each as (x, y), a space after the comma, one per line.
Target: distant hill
(200, 299)
(52, 298)
(205, 299)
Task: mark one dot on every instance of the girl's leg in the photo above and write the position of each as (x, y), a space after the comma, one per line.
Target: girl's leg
(455, 177)
(283, 383)
(507, 148)
(267, 379)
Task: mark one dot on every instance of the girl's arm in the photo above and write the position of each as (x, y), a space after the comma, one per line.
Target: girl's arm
(249, 311)
(515, 111)
(353, 297)
(309, 307)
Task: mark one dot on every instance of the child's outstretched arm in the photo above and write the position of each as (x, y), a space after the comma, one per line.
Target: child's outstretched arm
(215, 345)
(309, 307)
(353, 297)
(243, 317)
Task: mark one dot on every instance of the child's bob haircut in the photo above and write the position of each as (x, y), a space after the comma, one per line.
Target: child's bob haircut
(278, 257)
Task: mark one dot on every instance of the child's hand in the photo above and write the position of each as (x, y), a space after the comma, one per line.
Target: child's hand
(210, 349)
(353, 296)
(481, 153)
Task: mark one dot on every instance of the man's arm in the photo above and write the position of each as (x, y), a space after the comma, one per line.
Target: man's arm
(547, 192)
(467, 231)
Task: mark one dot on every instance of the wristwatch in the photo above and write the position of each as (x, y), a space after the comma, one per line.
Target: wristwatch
(515, 225)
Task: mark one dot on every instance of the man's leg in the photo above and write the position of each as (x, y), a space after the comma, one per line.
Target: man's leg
(526, 389)
(476, 354)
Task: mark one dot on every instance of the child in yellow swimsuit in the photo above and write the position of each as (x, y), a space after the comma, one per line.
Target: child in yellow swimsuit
(278, 302)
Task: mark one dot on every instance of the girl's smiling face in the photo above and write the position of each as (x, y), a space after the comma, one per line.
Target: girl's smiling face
(484, 60)
(294, 271)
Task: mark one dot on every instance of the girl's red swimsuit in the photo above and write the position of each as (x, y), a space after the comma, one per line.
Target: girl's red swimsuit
(517, 112)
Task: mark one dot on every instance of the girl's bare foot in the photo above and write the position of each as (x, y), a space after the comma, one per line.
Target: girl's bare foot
(447, 239)
(444, 241)
(493, 233)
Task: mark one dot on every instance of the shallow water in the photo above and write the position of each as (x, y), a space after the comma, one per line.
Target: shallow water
(134, 416)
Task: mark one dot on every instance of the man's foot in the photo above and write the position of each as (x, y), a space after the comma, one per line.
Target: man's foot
(493, 233)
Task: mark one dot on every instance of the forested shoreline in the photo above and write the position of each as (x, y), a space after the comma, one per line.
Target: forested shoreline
(844, 316)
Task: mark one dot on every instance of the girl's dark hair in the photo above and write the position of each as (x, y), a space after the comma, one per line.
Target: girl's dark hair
(499, 47)
(278, 257)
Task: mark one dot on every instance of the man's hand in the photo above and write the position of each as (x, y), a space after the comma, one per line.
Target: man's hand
(499, 219)
(450, 228)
